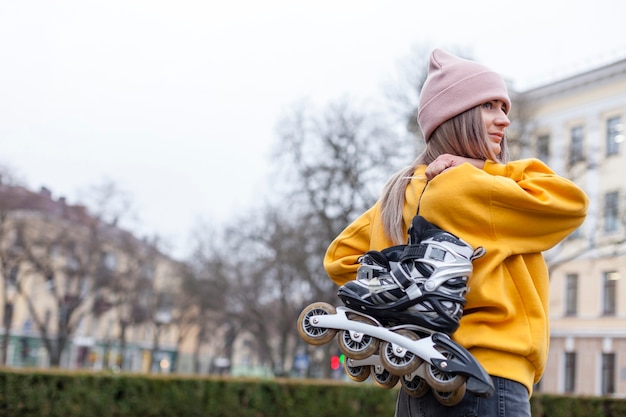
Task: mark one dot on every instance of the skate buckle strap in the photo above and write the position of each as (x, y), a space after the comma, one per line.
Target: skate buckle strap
(413, 291)
(437, 254)
(401, 274)
(402, 278)
(414, 251)
(367, 272)
(424, 251)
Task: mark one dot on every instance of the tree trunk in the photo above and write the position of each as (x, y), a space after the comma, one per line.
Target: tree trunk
(196, 350)
(123, 326)
(8, 319)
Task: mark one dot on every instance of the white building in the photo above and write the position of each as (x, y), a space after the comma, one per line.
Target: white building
(577, 125)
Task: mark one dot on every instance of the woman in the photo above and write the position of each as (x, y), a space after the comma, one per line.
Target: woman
(464, 183)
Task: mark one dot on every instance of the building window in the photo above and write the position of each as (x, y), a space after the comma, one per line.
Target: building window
(576, 145)
(608, 373)
(570, 371)
(609, 293)
(571, 294)
(614, 135)
(147, 271)
(109, 261)
(14, 272)
(611, 212)
(543, 148)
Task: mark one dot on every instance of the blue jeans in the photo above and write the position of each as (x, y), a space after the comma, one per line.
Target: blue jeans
(509, 399)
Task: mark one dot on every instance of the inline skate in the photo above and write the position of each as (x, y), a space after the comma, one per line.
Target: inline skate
(398, 314)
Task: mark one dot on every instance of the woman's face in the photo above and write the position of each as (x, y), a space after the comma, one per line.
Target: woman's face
(496, 121)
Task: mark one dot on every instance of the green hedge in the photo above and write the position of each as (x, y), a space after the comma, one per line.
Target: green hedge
(38, 393)
(544, 405)
(64, 394)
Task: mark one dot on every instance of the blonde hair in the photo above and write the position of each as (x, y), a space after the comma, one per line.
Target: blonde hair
(463, 135)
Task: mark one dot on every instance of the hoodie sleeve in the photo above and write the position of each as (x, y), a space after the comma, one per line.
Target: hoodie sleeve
(341, 259)
(528, 201)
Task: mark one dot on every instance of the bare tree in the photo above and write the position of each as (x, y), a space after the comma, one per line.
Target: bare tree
(336, 164)
(63, 257)
(110, 203)
(203, 303)
(11, 253)
(185, 317)
(269, 292)
(62, 251)
(11, 264)
(126, 284)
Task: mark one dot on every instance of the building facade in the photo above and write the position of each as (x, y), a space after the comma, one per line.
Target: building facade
(70, 283)
(577, 125)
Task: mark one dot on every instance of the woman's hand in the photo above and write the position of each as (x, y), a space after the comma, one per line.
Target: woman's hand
(446, 161)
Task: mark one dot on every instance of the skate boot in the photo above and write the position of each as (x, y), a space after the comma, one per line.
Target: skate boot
(423, 283)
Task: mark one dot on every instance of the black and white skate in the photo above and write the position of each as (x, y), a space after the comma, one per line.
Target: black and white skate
(423, 283)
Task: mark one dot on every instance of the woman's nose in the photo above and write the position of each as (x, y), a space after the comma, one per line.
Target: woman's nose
(502, 120)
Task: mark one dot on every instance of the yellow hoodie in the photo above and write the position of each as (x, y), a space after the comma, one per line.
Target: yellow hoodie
(515, 211)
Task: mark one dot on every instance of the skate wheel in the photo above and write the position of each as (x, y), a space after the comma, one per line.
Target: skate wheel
(415, 387)
(444, 381)
(400, 364)
(450, 398)
(357, 373)
(383, 378)
(362, 345)
(311, 334)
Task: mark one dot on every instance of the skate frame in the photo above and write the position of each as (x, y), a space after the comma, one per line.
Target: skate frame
(424, 347)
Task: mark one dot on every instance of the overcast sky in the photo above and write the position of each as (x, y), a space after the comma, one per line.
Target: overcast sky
(177, 101)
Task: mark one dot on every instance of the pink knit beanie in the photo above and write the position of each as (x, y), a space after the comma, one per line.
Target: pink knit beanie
(453, 86)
